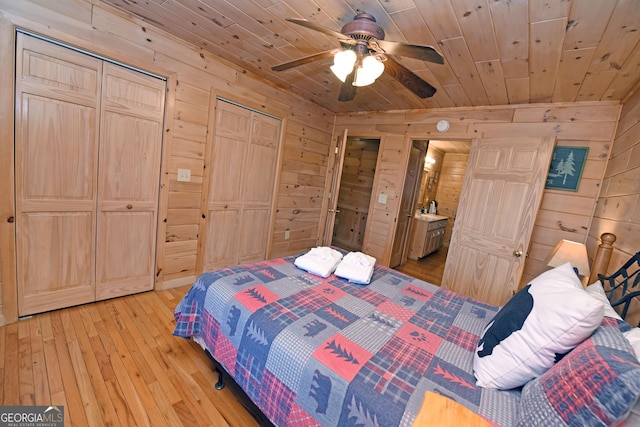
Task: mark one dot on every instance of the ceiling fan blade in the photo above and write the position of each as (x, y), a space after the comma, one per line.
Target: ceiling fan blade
(408, 79)
(415, 51)
(305, 60)
(348, 90)
(322, 29)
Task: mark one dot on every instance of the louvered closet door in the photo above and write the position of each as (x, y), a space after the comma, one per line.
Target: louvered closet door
(128, 181)
(57, 104)
(241, 179)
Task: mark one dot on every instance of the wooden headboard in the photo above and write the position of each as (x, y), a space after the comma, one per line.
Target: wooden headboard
(602, 257)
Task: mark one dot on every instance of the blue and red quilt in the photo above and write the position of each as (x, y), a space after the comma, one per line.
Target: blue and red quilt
(325, 352)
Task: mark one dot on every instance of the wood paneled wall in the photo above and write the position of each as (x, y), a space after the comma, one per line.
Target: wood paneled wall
(618, 207)
(578, 124)
(567, 214)
(194, 78)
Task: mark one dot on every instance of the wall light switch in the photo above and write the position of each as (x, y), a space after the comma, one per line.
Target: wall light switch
(184, 175)
(286, 234)
(382, 198)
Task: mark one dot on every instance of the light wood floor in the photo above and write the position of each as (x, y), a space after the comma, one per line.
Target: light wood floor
(429, 268)
(115, 363)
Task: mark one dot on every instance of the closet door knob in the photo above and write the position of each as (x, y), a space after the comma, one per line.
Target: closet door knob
(129, 206)
(517, 253)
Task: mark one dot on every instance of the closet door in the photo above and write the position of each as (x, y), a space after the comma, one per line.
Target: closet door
(260, 171)
(230, 142)
(57, 104)
(88, 152)
(128, 181)
(241, 180)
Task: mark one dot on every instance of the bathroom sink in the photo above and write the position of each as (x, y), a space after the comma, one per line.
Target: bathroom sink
(429, 217)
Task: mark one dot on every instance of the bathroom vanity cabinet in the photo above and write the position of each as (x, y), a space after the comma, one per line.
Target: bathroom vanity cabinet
(427, 235)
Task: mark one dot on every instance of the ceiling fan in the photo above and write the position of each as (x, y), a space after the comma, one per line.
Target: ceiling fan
(364, 55)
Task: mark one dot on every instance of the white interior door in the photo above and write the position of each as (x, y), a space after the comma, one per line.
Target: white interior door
(498, 205)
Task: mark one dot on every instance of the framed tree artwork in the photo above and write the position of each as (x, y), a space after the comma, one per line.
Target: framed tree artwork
(566, 168)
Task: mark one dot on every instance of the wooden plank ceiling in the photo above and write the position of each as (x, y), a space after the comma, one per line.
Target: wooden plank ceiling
(495, 51)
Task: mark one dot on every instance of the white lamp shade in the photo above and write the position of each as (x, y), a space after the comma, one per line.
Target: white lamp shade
(343, 63)
(567, 251)
(370, 70)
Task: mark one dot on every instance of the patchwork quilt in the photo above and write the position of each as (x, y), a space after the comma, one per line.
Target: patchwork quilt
(312, 351)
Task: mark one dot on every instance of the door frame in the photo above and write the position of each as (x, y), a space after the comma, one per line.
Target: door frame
(470, 142)
(334, 172)
(413, 195)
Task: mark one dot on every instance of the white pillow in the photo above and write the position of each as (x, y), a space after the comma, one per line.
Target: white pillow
(539, 325)
(595, 289)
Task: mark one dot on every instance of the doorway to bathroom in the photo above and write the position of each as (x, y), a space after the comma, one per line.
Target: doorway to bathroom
(442, 178)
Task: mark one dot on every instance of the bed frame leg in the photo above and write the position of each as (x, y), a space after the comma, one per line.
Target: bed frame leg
(220, 384)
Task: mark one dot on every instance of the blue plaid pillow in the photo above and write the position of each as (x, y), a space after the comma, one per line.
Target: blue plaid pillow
(596, 384)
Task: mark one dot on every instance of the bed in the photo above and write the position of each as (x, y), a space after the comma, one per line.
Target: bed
(314, 351)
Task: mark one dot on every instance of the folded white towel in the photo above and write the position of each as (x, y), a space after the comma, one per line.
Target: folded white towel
(321, 261)
(356, 267)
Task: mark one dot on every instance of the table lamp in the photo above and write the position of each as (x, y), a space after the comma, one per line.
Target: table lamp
(571, 252)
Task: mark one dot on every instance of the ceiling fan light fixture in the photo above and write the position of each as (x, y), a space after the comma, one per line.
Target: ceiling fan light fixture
(369, 71)
(359, 39)
(343, 63)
